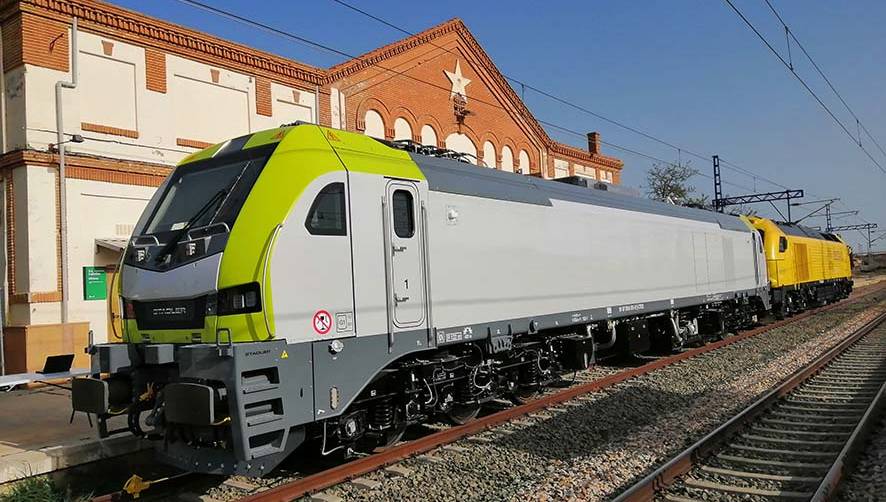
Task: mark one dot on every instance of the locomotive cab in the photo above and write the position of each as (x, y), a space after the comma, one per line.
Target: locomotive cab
(169, 285)
(200, 366)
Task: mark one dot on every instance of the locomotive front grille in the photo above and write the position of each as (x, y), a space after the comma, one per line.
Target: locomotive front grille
(175, 314)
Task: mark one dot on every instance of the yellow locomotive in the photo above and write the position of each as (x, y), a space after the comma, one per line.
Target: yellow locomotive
(806, 267)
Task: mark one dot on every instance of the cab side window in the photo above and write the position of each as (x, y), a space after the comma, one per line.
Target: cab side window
(327, 213)
(404, 214)
(782, 244)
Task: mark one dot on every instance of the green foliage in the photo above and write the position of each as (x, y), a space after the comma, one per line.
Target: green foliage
(670, 182)
(37, 489)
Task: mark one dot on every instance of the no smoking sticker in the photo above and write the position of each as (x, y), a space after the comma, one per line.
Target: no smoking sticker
(322, 322)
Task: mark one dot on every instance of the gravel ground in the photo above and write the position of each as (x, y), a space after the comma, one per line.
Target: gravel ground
(872, 346)
(591, 448)
(868, 480)
(222, 490)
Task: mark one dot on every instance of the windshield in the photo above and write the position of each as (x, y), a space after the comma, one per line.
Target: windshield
(193, 187)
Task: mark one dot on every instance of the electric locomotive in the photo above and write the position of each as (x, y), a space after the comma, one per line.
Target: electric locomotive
(305, 286)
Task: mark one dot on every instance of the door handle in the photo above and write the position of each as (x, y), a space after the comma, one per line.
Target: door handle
(400, 299)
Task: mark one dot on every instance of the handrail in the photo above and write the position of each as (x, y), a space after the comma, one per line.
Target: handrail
(426, 270)
(219, 224)
(264, 277)
(386, 237)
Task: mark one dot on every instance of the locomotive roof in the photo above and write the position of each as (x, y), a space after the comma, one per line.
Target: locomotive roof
(803, 231)
(450, 176)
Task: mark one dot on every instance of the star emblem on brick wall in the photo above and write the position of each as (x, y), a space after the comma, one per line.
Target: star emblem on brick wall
(459, 82)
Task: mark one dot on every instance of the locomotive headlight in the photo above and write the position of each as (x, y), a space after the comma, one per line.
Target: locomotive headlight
(239, 299)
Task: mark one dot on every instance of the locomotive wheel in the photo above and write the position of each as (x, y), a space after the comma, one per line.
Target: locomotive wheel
(522, 395)
(380, 441)
(393, 436)
(461, 414)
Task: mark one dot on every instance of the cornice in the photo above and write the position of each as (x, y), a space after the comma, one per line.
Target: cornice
(578, 153)
(127, 25)
(45, 159)
(110, 20)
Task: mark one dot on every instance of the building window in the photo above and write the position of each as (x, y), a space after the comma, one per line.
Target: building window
(428, 135)
(507, 159)
(402, 129)
(375, 125)
(523, 159)
(462, 143)
(561, 168)
(327, 214)
(404, 220)
(489, 154)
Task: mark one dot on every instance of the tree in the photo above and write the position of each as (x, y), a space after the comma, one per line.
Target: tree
(670, 183)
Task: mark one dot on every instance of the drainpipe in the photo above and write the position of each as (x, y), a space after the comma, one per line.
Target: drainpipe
(3, 146)
(60, 138)
(2, 96)
(317, 105)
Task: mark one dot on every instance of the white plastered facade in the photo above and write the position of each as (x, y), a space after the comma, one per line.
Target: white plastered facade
(202, 103)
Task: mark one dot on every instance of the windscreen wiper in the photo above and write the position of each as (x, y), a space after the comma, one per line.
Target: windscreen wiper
(167, 249)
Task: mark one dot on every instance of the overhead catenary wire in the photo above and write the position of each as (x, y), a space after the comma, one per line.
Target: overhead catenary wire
(550, 95)
(524, 85)
(793, 71)
(802, 81)
(329, 49)
(815, 65)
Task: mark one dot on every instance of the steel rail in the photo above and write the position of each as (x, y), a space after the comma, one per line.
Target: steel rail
(318, 482)
(854, 447)
(664, 476)
(339, 474)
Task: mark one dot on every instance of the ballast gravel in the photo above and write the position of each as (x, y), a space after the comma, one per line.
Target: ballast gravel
(867, 481)
(599, 444)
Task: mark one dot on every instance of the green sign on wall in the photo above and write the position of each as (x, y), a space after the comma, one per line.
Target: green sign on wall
(95, 283)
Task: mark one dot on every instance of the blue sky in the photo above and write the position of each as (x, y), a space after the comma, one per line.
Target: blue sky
(689, 72)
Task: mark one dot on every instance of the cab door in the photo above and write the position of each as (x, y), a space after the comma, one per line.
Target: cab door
(406, 272)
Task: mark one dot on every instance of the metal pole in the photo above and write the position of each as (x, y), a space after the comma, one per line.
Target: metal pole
(789, 209)
(718, 187)
(827, 213)
(869, 242)
(62, 179)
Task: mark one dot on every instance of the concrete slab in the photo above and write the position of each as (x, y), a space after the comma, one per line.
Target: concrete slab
(325, 497)
(36, 438)
(240, 484)
(429, 459)
(364, 483)
(397, 471)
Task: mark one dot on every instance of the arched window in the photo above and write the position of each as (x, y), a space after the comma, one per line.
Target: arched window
(375, 125)
(507, 159)
(402, 129)
(428, 135)
(524, 162)
(489, 154)
(461, 143)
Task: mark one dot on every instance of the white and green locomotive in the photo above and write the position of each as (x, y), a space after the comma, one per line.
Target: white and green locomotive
(305, 286)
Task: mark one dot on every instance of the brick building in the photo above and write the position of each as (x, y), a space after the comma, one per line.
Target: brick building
(149, 92)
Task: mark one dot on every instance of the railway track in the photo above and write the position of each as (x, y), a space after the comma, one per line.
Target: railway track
(797, 442)
(298, 485)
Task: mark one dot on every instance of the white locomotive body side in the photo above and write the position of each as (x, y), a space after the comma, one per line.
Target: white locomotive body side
(562, 250)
